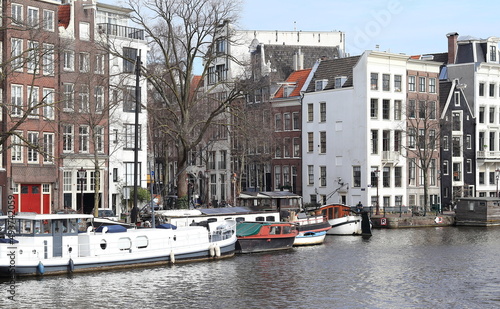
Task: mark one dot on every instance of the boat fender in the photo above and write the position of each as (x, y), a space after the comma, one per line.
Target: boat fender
(217, 251)
(212, 250)
(438, 220)
(40, 268)
(71, 265)
(172, 257)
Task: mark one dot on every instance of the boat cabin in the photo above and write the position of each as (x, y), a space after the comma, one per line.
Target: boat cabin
(335, 211)
(271, 201)
(478, 211)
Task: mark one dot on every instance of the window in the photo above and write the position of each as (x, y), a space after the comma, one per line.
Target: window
(84, 62)
(69, 60)
(84, 139)
(412, 171)
(130, 137)
(48, 59)
(32, 61)
(99, 139)
(432, 85)
(386, 82)
(432, 110)
(457, 171)
(310, 173)
(374, 141)
(277, 152)
(356, 176)
(456, 96)
(493, 53)
(130, 172)
(287, 121)
(129, 99)
(17, 54)
(296, 121)
(374, 176)
(277, 177)
(412, 109)
(99, 64)
(397, 140)
(386, 177)
(445, 167)
(398, 176)
(322, 176)
(296, 147)
(481, 178)
(397, 109)
(84, 98)
(481, 89)
(48, 147)
(374, 81)
(468, 141)
(17, 13)
(421, 84)
(422, 110)
(386, 140)
(220, 46)
(397, 83)
(468, 166)
(322, 142)
(386, 109)
(84, 31)
(310, 141)
(492, 115)
(411, 138)
(99, 98)
(320, 84)
(16, 150)
(322, 112)
(129, 59)
(287, 144)
(492, 90)
(33, 101)
(33, 18)
(421, 139)
(48, 106)
(32, 147)
(278, 125)
(411, 83)
(17, 100)
(221, 73)
(456, 141)
(68, 97)
(310, 112)
(374, 108)
(286, 175)
(48, 20)
(68, 138)
(481, 114)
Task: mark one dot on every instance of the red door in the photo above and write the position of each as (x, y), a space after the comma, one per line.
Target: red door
(31, 198)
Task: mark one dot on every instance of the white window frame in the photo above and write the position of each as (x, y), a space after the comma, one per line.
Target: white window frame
(33, 101)
(16, 149)
(99, 139)
(68, 138)
(83, 138)
(99, 64)
(83, 98)
(48, 103)
(33, 153)
(84, 31)
(16, 94)
(69, 60)
(99, 99)
(48, 147)
(84, 62)
(17, 54)
(48, 59)
(69, 97)
(17, 13)
(33, 17)
(32, 61)
(48, 20)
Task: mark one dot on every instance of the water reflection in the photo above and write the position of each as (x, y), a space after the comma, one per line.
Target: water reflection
(414, 268)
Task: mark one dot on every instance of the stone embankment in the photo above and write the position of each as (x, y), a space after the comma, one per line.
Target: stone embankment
(394, 221)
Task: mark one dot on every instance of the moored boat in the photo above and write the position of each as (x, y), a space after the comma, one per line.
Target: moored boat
(64, 243)
(264, 236)
(344, 221)
(312, 228)
(309, 238)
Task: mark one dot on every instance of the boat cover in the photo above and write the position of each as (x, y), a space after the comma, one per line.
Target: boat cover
(8, 241)
(112, 228)
(248, 228)
(167, 226)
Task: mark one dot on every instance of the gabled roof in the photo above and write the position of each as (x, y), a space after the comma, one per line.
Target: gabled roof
(64, 15)
(297, 78)
(330, 69)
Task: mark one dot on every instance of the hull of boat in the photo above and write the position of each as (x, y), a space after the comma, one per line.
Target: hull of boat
(309, 238)
(254, 244)
(348, 225)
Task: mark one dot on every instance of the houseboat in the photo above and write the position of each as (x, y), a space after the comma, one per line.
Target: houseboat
(37, 244)
(345, 221)
(478, 211)
(264, 236)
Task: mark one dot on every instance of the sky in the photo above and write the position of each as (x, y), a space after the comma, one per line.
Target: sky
(410, 27)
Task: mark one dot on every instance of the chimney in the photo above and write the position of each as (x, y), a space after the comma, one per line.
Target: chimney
(452, 47)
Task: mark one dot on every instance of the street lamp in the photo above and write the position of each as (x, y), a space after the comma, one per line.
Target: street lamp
(377, 174)
(81, 179)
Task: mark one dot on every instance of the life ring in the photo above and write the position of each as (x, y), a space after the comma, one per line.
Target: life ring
(439, 220)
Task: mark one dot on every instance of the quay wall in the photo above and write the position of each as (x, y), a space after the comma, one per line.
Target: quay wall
(394, 222)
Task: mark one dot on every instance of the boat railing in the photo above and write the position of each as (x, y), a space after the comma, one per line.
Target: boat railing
(310, 220)
(223, 231)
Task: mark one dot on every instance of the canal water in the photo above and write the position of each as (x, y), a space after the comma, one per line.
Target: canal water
(445, 267)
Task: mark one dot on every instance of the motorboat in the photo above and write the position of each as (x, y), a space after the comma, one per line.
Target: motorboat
(264, 236)
(345, 221)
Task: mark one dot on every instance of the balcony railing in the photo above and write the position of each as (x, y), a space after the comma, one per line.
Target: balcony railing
(492, 155)
(390, 156)
(122, 31)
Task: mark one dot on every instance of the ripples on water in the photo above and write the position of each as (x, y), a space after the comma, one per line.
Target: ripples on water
(413, 268)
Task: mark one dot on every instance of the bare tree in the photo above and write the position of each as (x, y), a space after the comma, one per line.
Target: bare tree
(182, 35)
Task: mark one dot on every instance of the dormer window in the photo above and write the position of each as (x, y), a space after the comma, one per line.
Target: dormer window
(493, 53)
(287, 91)
(340, 81)
(321, 84)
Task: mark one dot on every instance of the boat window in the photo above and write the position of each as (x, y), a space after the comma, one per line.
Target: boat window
(270, 218)
(103, 244)
(212, 220)
(25, 226)
(141, 242)
(37, 228)
(3, 223)
(259, 219)
(240, 219)
(228, 218)
(73, 226)
(124, 243)
(278, 230)
(46, 226)
(287, 229)
(272, 230)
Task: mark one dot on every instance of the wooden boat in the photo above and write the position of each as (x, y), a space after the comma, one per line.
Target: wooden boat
(264, 236)
(344, 221)
(64, 243)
